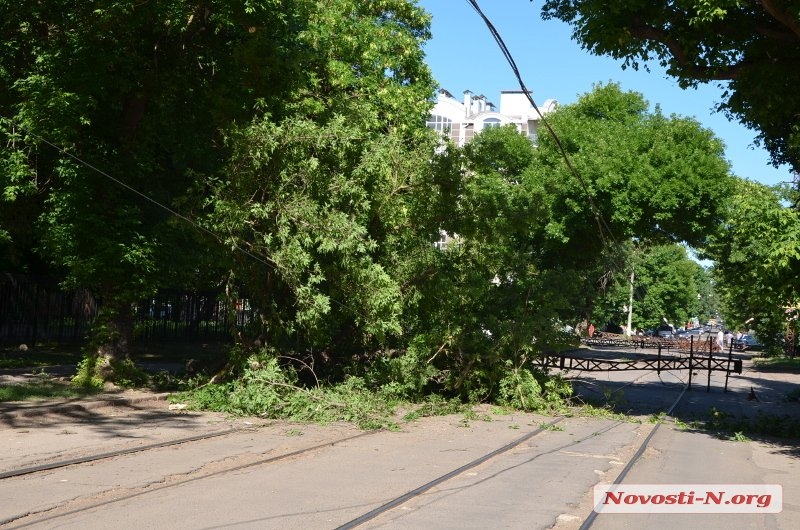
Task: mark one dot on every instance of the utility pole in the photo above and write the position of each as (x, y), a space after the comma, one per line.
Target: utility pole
(630, 307)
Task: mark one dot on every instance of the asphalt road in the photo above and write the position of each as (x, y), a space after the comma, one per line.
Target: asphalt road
(259, 477)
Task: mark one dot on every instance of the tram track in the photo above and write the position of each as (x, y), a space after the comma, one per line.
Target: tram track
(443, 478)
(112, 496)
(421, 490)
(50, 466)
(592, 517)
(417, 492)
(104, 499)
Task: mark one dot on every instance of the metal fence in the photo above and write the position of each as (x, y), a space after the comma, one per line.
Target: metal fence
(185, 316)
(35, 310)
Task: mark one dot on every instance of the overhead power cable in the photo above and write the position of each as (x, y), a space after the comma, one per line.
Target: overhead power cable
(599, 219)
(149, 199)
(269, 263)
(602, 225)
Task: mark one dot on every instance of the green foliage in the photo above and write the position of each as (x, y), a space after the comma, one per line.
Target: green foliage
(39, 355)
(488, 298)
(336, 197)
(531, 390)
(740, 437)
(757, 259)
(140, 92)
(655, 181)
(127, 375)
(652, 178)
(148, 93)
(325, 193)
(88, 374)
(667, 285)
(605, 410)
(742, 428)
(407, 376)
(682, 425)
(93, 372)
(269, 389)
(435, 405)
(44, 387)
(706, 42)
(294, 132)
(778, 362)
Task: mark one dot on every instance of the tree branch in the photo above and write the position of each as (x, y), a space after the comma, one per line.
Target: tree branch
(687, 64)
(782, 16)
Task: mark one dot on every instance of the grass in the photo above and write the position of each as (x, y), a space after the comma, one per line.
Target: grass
(777, 363)
(42, 388)
(38, 356)
(739, 428)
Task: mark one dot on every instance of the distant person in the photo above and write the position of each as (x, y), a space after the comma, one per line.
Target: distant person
(728, 337)
(721, 339)
(591, 330)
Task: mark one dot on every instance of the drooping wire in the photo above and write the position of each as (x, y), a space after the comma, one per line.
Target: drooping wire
(599, 219)
(602, 225)
(264, 261)
(149, 199)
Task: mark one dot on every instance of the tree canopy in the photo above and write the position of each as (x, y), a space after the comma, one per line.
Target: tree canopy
(144, 101)
(757, 259)
(638, 175)
(750, 48)
(280, 149)
(668, 285)
(531, 250)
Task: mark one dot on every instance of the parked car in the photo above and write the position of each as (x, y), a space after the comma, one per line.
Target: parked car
(688, 333)
(664, 332)
(747, 342)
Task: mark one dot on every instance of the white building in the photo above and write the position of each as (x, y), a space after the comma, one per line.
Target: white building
(461, 120)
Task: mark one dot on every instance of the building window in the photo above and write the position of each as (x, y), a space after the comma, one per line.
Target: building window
(469, 132)
(440, 124)
(445, 240)
(491, 122)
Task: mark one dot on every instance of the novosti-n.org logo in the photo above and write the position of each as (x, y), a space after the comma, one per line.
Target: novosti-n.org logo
(688, 498)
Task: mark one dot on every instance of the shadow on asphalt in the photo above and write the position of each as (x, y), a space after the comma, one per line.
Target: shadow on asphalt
(117, 420)
(754, 407)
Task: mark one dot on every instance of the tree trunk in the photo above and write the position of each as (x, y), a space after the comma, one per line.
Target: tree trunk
(112, 338)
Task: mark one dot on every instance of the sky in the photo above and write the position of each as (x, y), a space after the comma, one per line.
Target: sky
(464, 56)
